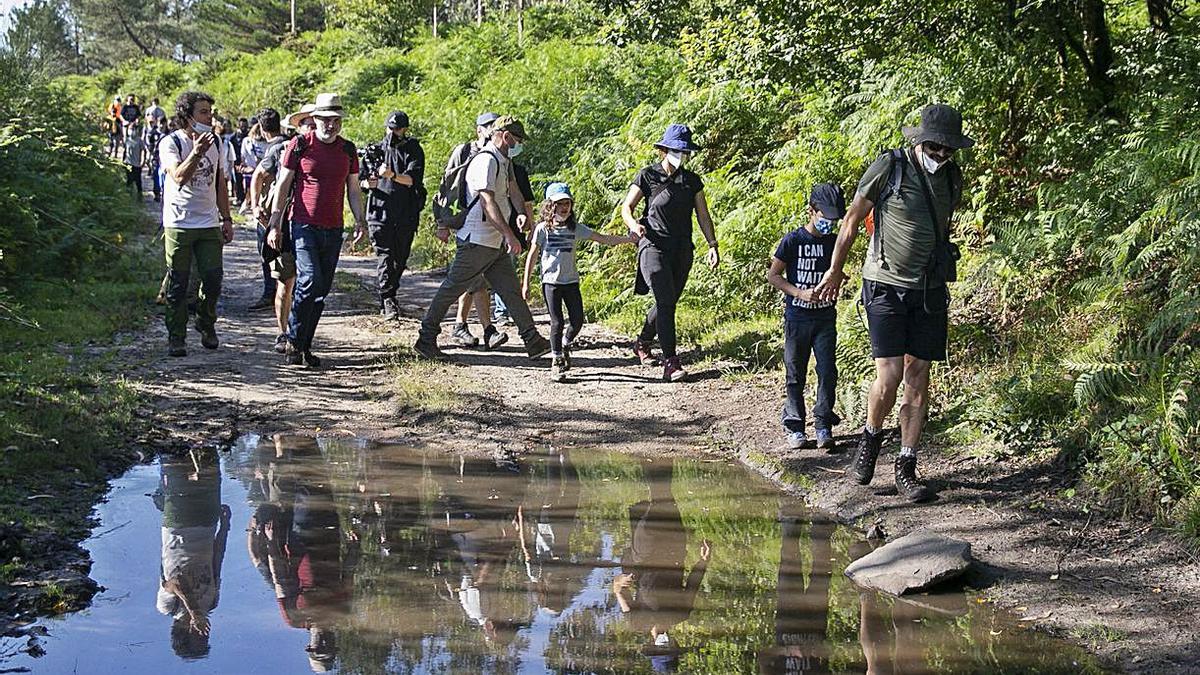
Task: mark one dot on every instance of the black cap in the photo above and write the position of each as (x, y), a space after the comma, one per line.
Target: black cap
(397, 120)
(829, 199)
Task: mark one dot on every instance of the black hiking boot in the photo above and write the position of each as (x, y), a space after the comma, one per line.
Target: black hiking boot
(907, 484)
(428, 349)
(863, 468)
(176, 347)
(537, 347)
(310, 359)
(208, 337)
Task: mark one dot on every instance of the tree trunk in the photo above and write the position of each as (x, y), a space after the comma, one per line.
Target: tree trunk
(520, 22)
(435, 22)
(478, 12)
(1160, 12)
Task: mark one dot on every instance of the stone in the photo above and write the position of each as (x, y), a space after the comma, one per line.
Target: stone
(911, 563)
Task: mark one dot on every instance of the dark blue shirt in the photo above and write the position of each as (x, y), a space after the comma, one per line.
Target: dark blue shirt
(805, 260)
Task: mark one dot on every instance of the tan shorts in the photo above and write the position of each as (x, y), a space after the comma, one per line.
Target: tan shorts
(283, 267)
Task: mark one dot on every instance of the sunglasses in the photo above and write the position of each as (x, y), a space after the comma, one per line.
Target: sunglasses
(938, 148)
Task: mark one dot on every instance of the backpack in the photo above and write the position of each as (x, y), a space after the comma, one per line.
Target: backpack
(942, 264)
(450, 207)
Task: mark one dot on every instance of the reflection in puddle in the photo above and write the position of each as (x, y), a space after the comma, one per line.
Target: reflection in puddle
(365, 558)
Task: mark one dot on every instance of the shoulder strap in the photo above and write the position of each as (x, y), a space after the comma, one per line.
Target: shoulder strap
(891, 187)
(348, 148)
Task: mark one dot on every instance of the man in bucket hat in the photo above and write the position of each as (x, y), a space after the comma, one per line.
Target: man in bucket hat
(911, 193)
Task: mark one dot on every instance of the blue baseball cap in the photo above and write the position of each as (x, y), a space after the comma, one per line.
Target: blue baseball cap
(557, 192)
(486, 118)
(829, 199)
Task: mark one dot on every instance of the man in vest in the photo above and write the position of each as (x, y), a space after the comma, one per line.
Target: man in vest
(912, 193)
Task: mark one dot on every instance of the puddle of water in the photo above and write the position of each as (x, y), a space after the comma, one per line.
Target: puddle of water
(297, 556)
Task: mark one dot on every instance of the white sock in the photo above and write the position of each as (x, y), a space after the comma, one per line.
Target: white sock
(906, 451)
(874, 431)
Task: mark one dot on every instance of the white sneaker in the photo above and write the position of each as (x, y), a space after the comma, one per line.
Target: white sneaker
(797, 440)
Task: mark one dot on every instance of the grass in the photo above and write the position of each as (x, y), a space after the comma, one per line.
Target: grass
(64, 406)
(429, 386)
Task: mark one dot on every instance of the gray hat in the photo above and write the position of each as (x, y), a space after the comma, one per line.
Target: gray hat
(941, 124)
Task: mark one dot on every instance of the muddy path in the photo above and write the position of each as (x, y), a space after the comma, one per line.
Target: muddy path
(1126, 591)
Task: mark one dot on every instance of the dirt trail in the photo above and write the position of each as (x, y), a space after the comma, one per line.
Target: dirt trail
(1127, 592)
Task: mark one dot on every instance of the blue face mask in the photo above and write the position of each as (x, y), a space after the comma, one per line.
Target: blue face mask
(824, 225)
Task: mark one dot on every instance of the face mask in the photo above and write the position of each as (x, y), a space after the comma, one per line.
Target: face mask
(200, 127)
(516, 149)
(931, 165)
(676, 158)
(824, 225)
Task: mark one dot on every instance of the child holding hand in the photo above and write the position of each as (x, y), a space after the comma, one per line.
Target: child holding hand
(556, 238)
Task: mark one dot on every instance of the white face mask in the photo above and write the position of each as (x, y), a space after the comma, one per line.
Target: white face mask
(516, 149)
(676, 158)
(931, 165)
(200, 127)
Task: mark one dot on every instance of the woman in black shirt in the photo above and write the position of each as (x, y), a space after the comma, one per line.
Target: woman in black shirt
(665, 250)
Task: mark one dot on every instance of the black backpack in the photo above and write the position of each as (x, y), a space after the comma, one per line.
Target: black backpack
(943, 264)
(450, 207)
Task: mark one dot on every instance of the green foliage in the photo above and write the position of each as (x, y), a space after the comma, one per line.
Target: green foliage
(1073, 328)
(380, 23)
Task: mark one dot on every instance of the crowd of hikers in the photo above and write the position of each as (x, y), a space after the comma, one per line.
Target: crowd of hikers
(293, 177)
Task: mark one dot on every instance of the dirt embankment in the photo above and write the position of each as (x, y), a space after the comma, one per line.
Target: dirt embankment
(1125, 590)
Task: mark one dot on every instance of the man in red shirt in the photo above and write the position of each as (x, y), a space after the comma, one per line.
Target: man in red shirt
(320, 170)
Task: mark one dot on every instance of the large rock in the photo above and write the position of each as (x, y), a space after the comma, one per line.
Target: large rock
(911, 563)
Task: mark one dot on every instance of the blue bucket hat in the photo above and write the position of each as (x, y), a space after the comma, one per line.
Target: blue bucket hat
(677, 137)
(485, 119)
(556, 192)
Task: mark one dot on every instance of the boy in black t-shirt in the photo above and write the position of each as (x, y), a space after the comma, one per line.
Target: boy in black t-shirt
(810, 325)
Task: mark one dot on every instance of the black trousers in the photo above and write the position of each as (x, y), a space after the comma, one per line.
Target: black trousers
(818, 338)
(393, 244)
(556, 296)
(666, 273)
(134, 178)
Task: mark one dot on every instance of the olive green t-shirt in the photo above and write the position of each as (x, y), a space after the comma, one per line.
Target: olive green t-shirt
(907, 228)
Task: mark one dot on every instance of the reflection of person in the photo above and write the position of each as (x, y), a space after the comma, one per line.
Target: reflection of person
(546, 520)
(802, 611)
(655, 593)
(195, 526)
(310, 569)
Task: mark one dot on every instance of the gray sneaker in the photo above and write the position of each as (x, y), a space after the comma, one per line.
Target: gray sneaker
(797, 440)
(558, 370)
(825, 439)
(493, 338)
(464, 338)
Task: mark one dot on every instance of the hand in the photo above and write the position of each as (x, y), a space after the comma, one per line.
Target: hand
(385, 172)
(204, 143)
(514, 244)
(226, 514)
(638, 231)
(622, 581)
(705, 550)
(227, 229)
(522, 222)
(199, 623)
(360, 231)
(525, 291)
(274, 235)
(830, 284)
(804, 294)
(370, 183)
(443, 234)
(713, 257)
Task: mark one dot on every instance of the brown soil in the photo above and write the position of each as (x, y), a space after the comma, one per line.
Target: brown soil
(1123, 589)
